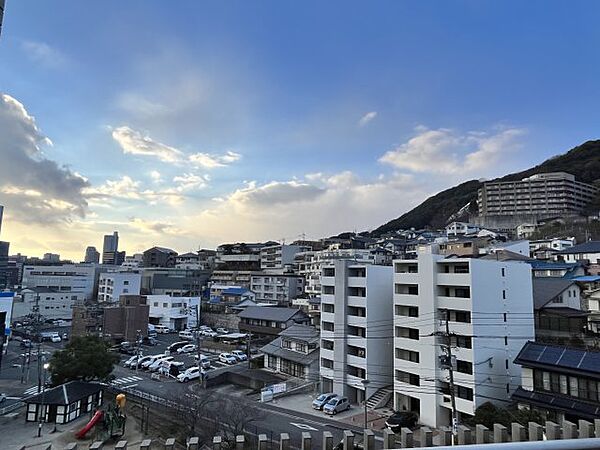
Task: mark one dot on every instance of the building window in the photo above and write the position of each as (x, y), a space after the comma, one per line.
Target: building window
(328, 271)
(503, 272)
(464, 367)
(286, 344)
(327, 344)
(407, 377)
(503, 294)
(407, 311)
(464, 392)
(327, 363)
(407, 355)
(327, 326)
(461, 341)
(357, 331)
(126, 282)
(409, 333)
(328, 290)
(328, 308)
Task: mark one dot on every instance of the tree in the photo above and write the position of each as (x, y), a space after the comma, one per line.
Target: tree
(488, 414)
(84, 358)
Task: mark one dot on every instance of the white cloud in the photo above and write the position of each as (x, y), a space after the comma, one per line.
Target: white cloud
(368, 117)
(153, 226)
(135, 143)
(210, 161)
(446, 151)
(190, 181)
(42, 53)
(156, 176)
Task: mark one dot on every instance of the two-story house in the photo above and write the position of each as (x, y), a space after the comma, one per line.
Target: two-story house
(295, 352)
(270, 320)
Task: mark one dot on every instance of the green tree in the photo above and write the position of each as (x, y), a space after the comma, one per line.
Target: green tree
(488, 414)
(84, 358)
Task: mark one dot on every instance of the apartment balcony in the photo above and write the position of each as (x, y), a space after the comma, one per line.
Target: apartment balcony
(408, 344)
(359, 302)
(357, 282)
(357, 361)
(327, 354)
(454, 303)
(327, 317)
(454, 279)
(356, 321)
(406, 278)
(330, 281)
(327, 373)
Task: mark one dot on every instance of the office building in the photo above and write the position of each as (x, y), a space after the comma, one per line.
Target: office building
(489, 308)
(159, 257)
(356, 329)
(176, 313)
(67, 278)
(92, 256)
(110, 250)
(51, 258)
(111, 285)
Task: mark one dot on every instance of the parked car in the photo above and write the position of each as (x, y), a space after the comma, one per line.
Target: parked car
(26, 343)
(2, 397)
(222, 330)
(322, 400)
(336, 405)
(158, 362)
(176, 346)
(167, 368)
(189, 348)
(190, 374)
(239, 355)
(209, 333)
(402, 419)
(151, 359)
(186, 335)
(149, 341)
(161, 329)
(139, 363)
(227, 358)
(130, 361)
(55, 338)
(204, 361)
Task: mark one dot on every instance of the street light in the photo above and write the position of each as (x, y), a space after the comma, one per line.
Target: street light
(365, 383)
(42, 417)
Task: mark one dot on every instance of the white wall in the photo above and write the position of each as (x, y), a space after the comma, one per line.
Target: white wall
(112, 285)
(161, 307)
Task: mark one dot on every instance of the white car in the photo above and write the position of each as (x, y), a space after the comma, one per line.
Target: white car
(209, 333)
(161, 329)
(131, 361)
(222, 331)
(165, 367)
(239, 355)
(204, 361)
(133, 364)
(227, 358)
(55, 338)
(157, 364)
(189, 348)
(186, 335)
(151, 360)
(190, 374)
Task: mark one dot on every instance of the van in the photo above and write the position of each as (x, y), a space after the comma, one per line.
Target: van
(161, 329)
(186, 335)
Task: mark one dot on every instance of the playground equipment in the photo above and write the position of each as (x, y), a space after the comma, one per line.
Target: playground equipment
(112, 420)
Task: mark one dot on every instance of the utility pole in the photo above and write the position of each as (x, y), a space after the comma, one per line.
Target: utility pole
(139, 345)
(450, 368)
(38, 336)
(199, 340)
(248, 339)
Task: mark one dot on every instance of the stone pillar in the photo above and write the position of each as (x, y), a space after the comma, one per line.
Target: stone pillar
(369, 440)
(306, 441)
(406, 438)
(146, 444)
(327, 440)
(170, 444)
(284, 443)
(121, 445)
(446, 436)
(348, 440)
(464, 435)
(262, 442)
(481, 434)
(597, 427)
(586, 429)
(552, 431)
(71, 446)
(500, 433)
(426, 437)
(536, 432)
(217, 442)
(569, 430)
(389, 439)
(193, 443)
(517, 432)
(96, 446)
(240, 441)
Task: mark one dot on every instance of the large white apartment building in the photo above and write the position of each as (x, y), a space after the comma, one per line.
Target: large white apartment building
(176, 313)
(356, 329)
(279, 256)
(489, 305)
(112, 285)
(66, 278)
(277, 288)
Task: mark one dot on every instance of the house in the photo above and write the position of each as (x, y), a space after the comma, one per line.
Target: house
(558, 310)
(556, 269)
(159, 257)
(526, 230)
(112, 285)
(561, 383)
(557, 244)
(589, 251)
(64, 403)
(591, 300)
(176, 313)
(461, 228)
(270, 320)
(295, 352)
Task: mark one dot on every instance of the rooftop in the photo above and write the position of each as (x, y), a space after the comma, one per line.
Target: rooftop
(274, 313)
(66, 394)
(560, 357)
(547, 288)
(586, 247)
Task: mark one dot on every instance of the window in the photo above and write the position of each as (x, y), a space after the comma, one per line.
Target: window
(409, 333)
(461, 341)
(286, 344)
(356, 372)
(407, 311)
(301, 347)
(464, 392)
(328, 271)
(407, 355)
(156, 304)
(503, 294)
(327, 326)
(354, 291)
(328, 308)
(357, 331)
(126, 282)
(165, 305)
(327, 363)
(407, 377)
(359, 272)
(505, 340)
(357, 351)
(357, 311)
(464, 367)
(503, 272)
(328, 290)
(327, 344)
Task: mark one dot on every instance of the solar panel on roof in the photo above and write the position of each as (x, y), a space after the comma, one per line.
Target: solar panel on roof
(550, 355)
(571, 358)
(591, 362)
(532, 352)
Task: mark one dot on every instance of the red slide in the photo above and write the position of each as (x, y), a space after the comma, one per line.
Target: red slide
(93, 421)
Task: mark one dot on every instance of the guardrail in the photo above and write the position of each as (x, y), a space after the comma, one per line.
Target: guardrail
(10, 408)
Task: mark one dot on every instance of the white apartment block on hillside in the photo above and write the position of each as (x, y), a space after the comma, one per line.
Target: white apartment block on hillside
(356, 329)
(490, 309)
(277, 288)
(112, 285)
(279, 256)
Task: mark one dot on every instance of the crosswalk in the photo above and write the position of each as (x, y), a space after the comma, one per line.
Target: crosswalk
(31, 391)
(126, 380)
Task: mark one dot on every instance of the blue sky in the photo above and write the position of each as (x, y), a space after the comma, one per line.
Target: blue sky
(208, 122)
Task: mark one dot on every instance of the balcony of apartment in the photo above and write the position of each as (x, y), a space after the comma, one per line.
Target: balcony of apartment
(454, 297)
(406, 272)
(453, 274)
(406, 293)
(327, 354)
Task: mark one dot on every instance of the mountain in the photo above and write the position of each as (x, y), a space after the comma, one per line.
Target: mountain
(582, 161)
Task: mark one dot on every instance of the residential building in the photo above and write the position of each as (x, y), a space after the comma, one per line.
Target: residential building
(556, 269)
(87, 319)
(127, 320)
(202, 260)
(461, 228)
(270, 320)
(239, 278)
(277, 288)
(587, 251)
(4, 248)
(52, 304)
(356, 329)
(294, 353)
(229, 300)
(159, 257)
(111, 285)
(558, 309)
(557, 244)
(488, 307)
(16, 262)
(463, 246)
(561, 383)
(51, 258)
(110, 250)
(545, 195)
(134, 261)
(176, 313)
(174, 282)
(590, 285)
(68, 278)
(279, 256)
(311, 306)
(92, 256)
(526, 230)
(520, 247)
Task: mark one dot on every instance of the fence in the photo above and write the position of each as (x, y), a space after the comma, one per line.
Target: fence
(552, 436)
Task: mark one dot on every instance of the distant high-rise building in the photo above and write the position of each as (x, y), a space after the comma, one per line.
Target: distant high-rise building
(1, 207)
(110, 249)
(92, 255)
(3, 264)
(51, 257)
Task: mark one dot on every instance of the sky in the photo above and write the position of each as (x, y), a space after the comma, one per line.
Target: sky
(192, 123)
